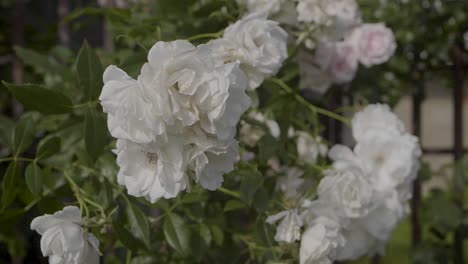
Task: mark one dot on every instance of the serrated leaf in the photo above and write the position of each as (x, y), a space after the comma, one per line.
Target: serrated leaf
(138, 223)
(177, 233)
(90, 72)
(48, 147)
(9, 184)
(233, 205)
(95, 133)
(126, 237)
(34, 175)
(38, 98)
(23, 135)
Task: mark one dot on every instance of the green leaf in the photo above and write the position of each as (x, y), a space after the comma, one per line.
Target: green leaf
(90, 72)
(32, 58)
(38, 98)
(48, 147)
(23, 135)
(34, 175)
(218, 235)
(138, 223)
(205, 234)
(177, 233)
(127, 238)
(233, 205)
(95, 133)
(251, 181)
(261, 200)
(9, 184)
(6, 129)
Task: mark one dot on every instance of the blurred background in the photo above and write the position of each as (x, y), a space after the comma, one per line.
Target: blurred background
(425, 82)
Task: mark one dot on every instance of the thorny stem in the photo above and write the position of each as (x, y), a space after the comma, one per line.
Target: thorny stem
(305, 103)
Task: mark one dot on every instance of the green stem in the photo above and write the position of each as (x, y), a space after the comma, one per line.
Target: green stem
(15, 159)
(229, 192)
(129, 257)
(305, 103)
(205, 36)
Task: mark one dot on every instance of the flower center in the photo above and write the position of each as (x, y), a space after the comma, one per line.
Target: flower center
(151, 157)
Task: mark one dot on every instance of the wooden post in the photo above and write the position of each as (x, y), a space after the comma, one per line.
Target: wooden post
(63, 9)
(18, 40)
(458, 65)
(416, 200)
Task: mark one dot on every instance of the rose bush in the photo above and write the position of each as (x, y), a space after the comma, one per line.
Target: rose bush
(197, 145)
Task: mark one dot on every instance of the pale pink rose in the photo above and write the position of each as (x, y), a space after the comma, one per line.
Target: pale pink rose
(339, 60)
(375, 43)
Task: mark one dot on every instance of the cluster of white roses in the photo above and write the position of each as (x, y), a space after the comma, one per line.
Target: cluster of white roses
(335, 37)
(362, 197)
(179, 117)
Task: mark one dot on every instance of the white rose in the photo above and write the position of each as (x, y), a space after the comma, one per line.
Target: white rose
(289, 229)
(381, 221)
(346, 188)
(291, 183)
(375, 43)
(63, 238)
(320, 241)
(129, 113)
(310, 148)
(359, 243)
(375, 117)
(186, 88)
(258, 44)
(150, 170)
(212, 159)
(329, 20)
(337, 60)
(389, 159)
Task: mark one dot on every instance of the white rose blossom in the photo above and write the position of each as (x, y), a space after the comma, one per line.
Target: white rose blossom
(310, 148)
(63, 239)
(258, 44)
(320, 241)
(129, 113)
(389, 158)
(328, 20)
(183, 81)
(150, 170)
(347, 188)
(289, 229)
(375, 43)
(358, 243)
(375, 117)
(179, 116)
(381, 221)
(342, 62)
